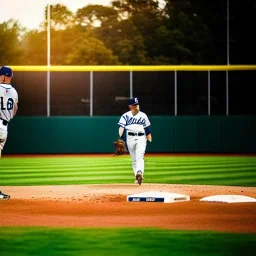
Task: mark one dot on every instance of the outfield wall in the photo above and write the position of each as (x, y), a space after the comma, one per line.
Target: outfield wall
(172, 134)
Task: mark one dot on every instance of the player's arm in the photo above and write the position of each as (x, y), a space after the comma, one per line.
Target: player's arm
(147, 129)
(149, 137)
(148, 133)
(121, 131)
(15, 108)
(121, 123)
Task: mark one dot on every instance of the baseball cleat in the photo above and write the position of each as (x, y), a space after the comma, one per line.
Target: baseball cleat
(4, 196)
(139, 177)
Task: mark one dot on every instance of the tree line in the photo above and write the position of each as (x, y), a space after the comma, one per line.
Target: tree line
(128, 32)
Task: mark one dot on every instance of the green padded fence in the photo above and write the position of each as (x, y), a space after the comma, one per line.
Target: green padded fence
(172, 134)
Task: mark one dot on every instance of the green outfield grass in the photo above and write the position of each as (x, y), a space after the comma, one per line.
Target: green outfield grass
(205, 170)
(21, 241)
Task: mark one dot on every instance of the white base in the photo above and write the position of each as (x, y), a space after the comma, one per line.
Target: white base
(158, 197)
(228, 199)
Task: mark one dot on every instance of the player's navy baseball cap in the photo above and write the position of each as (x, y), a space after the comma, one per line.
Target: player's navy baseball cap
(5, 71)
(134, 101)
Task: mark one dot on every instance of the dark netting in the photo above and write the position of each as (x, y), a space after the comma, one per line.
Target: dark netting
(70, 93)
(192, 93)
(111, 91)
(32, 91)
(241, 93)
(155, 91)
(218, 93)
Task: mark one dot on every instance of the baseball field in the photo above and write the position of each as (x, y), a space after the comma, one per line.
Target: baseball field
(77, 205)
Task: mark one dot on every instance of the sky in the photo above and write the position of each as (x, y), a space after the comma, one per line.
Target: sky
(30, 13)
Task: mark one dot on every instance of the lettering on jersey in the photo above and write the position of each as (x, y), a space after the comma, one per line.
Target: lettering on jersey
(9, 104)
(133, 120)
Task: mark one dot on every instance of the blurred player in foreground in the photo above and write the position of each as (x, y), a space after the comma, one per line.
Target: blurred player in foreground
(8, 107)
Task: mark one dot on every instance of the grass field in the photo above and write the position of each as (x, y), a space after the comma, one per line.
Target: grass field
(205, 170)
(125, 242)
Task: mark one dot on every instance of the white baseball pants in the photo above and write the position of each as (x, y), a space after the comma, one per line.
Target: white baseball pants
(3, 137)
(137, 147)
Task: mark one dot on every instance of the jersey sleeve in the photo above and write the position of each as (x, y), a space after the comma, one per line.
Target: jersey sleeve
(15, 96)
(147, 122)
(122, 121)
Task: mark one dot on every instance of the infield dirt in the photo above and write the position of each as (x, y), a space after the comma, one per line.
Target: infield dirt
(107, 206)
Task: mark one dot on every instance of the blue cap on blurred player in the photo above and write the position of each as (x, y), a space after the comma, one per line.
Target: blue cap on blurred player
(134, 101)
(5, 71)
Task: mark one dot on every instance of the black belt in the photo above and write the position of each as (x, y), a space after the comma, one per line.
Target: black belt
(4, 122)
(136, 134)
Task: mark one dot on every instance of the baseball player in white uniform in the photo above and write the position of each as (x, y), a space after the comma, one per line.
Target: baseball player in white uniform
(8, 107)
(134, 126)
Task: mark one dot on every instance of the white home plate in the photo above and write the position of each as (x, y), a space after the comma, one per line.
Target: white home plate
(228, 199)
(155, 197)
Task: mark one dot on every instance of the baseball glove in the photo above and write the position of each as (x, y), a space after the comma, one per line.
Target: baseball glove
(120, 148)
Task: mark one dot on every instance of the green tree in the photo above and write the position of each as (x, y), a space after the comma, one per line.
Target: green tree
(10, 49)
(128, 32)
(34, 45)
(90, 51)
(131, 51)
(96, 15)
(169, 34)
(192, 38)
(61, 17)
(124, 40)
(63, 42)
(145, 16)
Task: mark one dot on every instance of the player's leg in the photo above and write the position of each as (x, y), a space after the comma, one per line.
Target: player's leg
(131, 143)
(4, 196)
(1, 147)
(140, 152)
(3, 137)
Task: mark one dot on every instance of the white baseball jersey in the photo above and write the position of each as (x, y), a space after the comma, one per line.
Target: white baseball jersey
(8, 95)
(135, 123)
